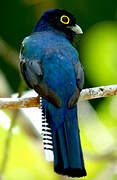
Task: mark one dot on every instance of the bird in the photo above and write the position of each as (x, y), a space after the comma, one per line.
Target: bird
(50, 65)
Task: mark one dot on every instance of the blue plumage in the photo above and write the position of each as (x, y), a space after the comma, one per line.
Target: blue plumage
(50, 65)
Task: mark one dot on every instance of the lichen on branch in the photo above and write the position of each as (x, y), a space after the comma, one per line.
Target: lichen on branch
(86, 94)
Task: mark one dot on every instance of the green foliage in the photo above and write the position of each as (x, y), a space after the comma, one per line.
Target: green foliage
(99, 53)
(24, 160)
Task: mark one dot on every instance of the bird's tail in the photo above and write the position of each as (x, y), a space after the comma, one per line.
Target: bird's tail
(47, 135)
(66, 146)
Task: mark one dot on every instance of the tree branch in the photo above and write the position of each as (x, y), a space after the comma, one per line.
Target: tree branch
(9, 54)
(86, 94)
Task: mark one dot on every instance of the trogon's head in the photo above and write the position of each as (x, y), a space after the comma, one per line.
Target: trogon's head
(61, 20)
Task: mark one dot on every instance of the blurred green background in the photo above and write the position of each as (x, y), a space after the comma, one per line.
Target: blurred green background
(97, 118)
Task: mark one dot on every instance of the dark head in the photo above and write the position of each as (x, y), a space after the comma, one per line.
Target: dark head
(60, 20)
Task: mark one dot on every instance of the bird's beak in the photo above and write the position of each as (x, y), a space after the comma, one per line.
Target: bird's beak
(77, 29)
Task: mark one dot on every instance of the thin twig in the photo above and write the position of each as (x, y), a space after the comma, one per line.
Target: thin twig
(8, 141)
(86, 94)
(9, 138)
(10, 55)
(98, 92)
(15, 103)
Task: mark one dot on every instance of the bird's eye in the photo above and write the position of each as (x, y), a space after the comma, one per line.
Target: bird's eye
(65, 19)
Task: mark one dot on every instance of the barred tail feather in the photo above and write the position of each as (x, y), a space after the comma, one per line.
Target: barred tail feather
(63, 140)
(47, 136)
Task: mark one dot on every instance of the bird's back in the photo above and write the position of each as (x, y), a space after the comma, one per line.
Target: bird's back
(57, 55)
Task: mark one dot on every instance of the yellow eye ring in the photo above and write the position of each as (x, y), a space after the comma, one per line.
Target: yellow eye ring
(67, 18)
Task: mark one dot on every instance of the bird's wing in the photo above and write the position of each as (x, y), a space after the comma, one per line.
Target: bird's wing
(32, 70)
(79, 74)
